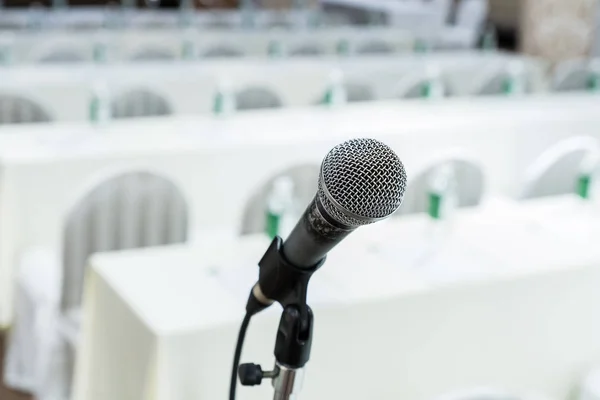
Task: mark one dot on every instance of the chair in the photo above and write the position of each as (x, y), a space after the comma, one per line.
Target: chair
(470, 182)
(223, 52)
(357, 92)
(62, 57)
(375, 47)
(305, 186)
(495, 84)
(571, 76)
(139, 103)
(412, 87)
(131, 210)
(306, 50)
(19, 110)
(255, 98)
(153, 54)
(556, 170)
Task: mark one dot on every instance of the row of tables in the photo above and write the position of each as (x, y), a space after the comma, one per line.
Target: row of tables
(506, 298)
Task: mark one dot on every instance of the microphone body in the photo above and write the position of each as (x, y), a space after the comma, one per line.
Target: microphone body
(361, 181)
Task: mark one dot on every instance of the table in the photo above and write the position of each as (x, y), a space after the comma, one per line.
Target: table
(125, 45)
(520, 322)
(60, 163)
(65, 93)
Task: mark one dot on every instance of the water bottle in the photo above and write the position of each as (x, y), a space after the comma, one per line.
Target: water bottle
(335, 95)
(583, 188)
(515, 84)
(100, 104)
(433, 88)
(489, 41)
(280, 215)
(188, 44)
(224, 100)
(443, 196)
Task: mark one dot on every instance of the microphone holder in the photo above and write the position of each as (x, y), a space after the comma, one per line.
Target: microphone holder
(282, 282)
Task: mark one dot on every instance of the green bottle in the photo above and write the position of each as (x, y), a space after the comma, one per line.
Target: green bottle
(335, 95)
(442, 193)
(280, 207)
(343, 48)
(100, 107)
(420, 46)
(594, 82)
(224, 100)
(188, 45)
(433, 87)
(490, 40)
(584, 182)
(514, 82)
(275, 49)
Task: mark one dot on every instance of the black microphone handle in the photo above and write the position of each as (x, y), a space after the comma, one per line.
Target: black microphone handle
(315, 234)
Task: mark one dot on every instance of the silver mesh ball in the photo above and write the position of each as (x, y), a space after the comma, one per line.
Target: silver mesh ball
(362, 181)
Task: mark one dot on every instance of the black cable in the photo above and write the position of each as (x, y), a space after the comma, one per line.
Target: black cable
(238, 355)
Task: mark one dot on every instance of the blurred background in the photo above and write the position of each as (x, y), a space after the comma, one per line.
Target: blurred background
(151, 149)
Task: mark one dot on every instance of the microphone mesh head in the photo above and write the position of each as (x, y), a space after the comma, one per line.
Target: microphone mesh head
(361, 181)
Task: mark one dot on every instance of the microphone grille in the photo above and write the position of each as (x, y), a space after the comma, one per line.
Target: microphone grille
(362, 181)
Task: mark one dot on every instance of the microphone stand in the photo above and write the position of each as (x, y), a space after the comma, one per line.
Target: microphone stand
(294, 334)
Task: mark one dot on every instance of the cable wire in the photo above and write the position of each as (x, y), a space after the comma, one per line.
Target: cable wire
(238, 355)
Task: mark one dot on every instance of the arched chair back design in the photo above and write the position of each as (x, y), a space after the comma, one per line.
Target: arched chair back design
(557, 169)
(306, 50)
(470, 183)
(153, 54)
(132, 210)
(254, 98)
(140, 103)
(223, 51)
(62, 57)
(19, 110)
(305, 179)
(572, 76)
(375, 47)
(496, 85)
(414, 90)
(357, 92)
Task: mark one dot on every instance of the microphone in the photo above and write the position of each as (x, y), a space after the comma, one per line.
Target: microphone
(361, 181)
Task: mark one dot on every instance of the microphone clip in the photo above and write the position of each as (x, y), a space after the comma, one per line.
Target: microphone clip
(280, 281)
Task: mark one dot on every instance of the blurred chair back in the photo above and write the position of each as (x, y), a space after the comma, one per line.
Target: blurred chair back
(571, 75)
(305, 179)
(375, 47)
(557, 169)
(306, 50)
(470, 184)
(19, 110)
(153, 54)
(132, 210)
(358, 92)
(255, 98)
(140, 103)
(62, 56)
(223, 51)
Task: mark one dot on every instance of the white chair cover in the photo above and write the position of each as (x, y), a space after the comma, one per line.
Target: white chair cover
(34, 335)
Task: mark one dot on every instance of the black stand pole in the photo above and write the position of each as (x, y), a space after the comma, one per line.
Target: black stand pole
(294, 334)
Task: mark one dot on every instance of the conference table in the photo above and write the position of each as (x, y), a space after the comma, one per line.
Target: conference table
(218, 164)
(128, 45)
(503, 296)
(65, 92)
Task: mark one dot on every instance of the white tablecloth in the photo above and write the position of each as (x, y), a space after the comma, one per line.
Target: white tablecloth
(190, 88)
(218, 164)
(520, 314)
